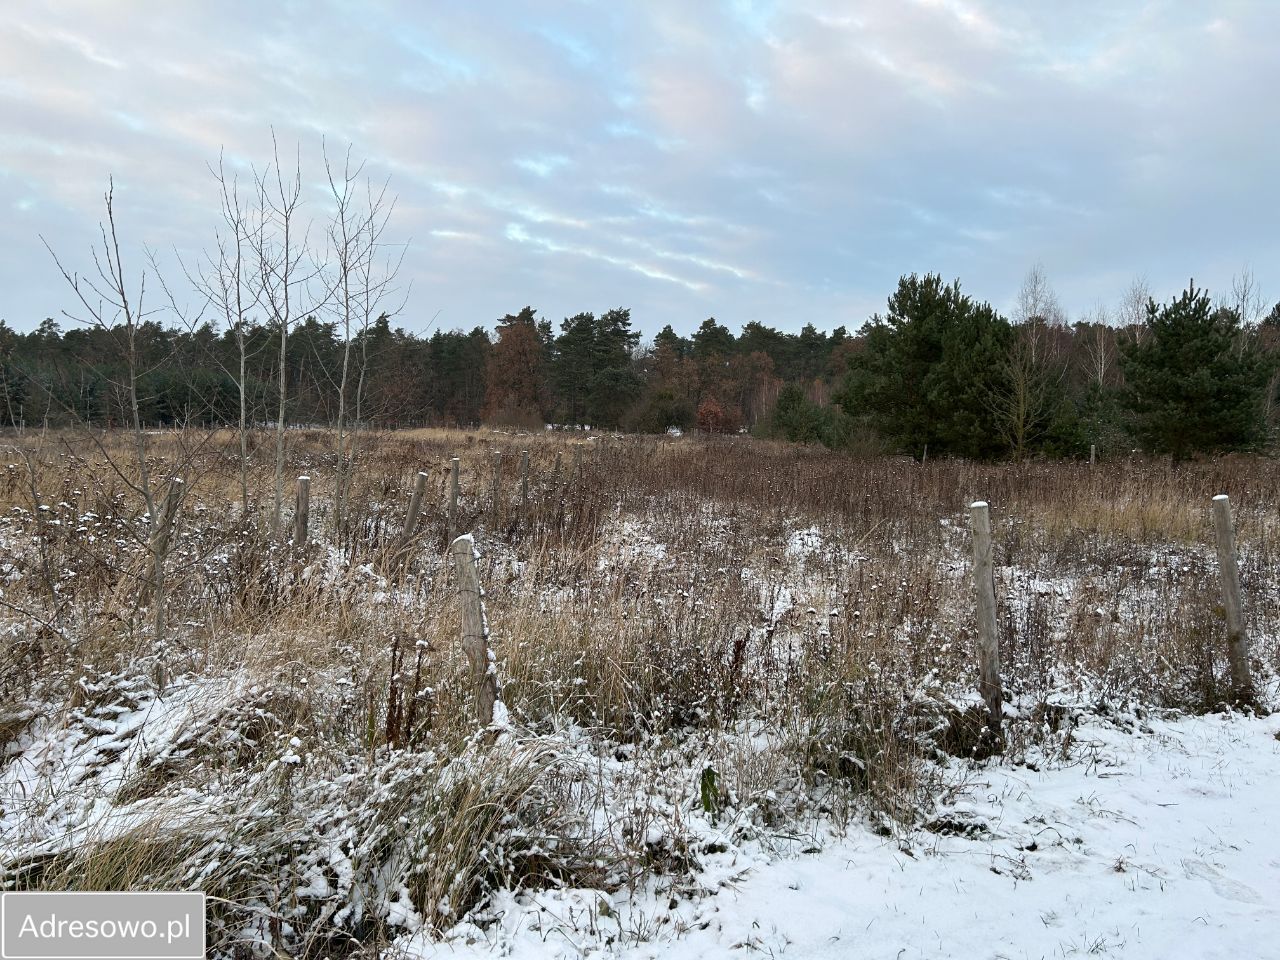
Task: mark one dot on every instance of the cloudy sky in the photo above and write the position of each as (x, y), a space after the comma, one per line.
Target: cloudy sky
(774, 161)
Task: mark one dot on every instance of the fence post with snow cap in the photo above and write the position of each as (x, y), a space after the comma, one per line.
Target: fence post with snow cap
(985, 589)
(1229, 570)
(475, 631)
(302, 512)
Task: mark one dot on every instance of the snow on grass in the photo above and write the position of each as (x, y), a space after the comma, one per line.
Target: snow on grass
(1152, 842)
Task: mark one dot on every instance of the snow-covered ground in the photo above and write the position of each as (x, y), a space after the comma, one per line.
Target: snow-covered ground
(1161, 841)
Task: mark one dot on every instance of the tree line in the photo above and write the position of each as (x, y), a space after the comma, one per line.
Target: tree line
(937, 373)
(293, 324)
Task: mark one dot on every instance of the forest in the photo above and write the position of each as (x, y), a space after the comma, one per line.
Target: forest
(938, 372)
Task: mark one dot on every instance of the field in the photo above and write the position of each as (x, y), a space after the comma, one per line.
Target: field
(731, 669)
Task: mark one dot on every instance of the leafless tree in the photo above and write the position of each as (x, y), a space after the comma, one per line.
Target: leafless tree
(1099, 347)
(111, 304)
(1034, 366)
(286, 281)
(229, 283)
(1131, 315)
(363, 281)
(1245, 298)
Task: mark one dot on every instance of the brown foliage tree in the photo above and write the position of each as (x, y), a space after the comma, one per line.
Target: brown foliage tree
(517, 371)
(713, 418)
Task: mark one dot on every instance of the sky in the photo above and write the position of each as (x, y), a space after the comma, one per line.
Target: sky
(783, 162)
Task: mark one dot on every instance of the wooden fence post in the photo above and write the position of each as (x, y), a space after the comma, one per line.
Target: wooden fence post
(412, 514)
(988, 643)
(453, 498)
(495, 506)
(1093, 454)
(415, 505)
(1237, 639)
(302, 512)
(475, 631)
(524, 481)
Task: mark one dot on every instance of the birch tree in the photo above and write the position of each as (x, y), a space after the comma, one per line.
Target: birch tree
(1034, 367)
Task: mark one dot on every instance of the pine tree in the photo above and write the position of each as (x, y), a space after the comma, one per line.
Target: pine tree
(573, 366)
(929, 369)
(1195, 381)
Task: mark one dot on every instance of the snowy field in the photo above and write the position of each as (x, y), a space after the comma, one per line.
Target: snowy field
(738, 685)
(1154, 842)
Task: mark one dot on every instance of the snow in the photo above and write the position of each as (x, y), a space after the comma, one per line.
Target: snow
(1155, 841)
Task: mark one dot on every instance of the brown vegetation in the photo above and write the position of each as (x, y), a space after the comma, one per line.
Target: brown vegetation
(703, 596)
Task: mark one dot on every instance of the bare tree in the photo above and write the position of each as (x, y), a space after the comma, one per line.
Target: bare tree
(1034, 365)
(229, 284)
(1245, 298)
(109, 304)
(1132, 312)
(361, 283)
(1245, 301)
(286, 275)
(1099, 347)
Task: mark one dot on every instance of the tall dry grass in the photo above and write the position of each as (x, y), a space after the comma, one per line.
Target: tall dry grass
(747, 631)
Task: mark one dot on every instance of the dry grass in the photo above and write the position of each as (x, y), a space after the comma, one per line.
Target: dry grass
(795, 622)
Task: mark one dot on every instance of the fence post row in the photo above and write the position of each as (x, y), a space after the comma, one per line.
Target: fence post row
(1237, 638)
(988, 644)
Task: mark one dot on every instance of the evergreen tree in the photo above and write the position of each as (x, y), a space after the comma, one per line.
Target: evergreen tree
(799, 419)
(712, 340)
(1195, 381)
(928, 371)
(573, 365)
(668, 339)
(614, 384)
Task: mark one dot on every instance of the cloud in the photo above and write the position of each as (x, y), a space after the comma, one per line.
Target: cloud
(753, 159)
